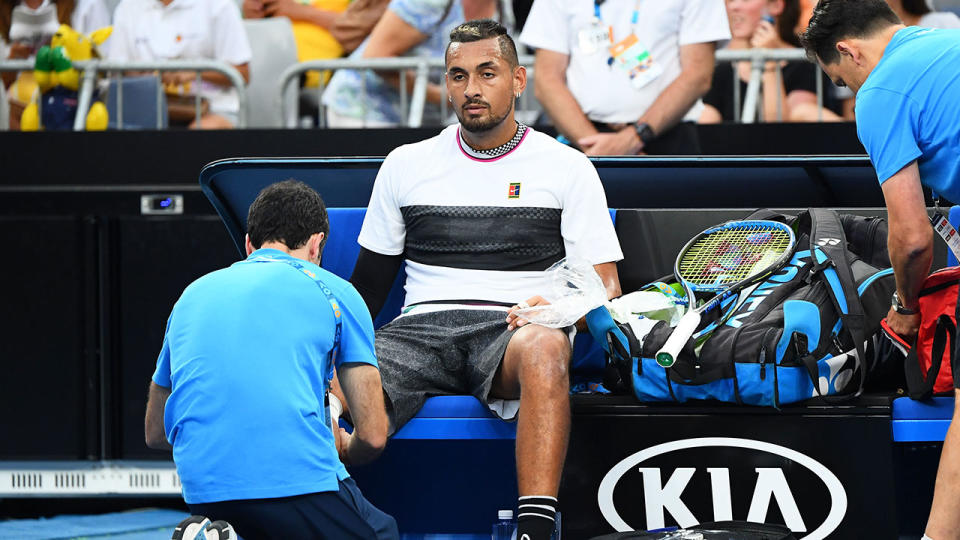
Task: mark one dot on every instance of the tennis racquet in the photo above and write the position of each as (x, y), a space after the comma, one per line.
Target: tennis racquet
(724, 260)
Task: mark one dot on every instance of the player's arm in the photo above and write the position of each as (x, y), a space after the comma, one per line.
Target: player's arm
(611, 280)
(696, 64)
(154, 433)
(910, 243)
(363, 391)
(550, 88)
(373, 276)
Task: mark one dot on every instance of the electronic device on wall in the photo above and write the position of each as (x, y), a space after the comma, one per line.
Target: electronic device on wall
(161, 204)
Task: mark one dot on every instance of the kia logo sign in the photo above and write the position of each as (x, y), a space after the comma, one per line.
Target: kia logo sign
(768, 488)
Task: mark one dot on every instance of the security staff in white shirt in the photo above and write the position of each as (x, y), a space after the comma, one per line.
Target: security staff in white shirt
(186, 30)
(624, 77)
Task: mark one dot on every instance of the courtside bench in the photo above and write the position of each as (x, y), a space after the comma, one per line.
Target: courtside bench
(463, 425)
(829, 471)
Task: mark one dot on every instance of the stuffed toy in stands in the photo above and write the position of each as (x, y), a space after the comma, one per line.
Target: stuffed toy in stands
(59, 82)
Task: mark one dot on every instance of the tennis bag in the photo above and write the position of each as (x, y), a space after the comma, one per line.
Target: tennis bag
(929, 362)
(801, 333)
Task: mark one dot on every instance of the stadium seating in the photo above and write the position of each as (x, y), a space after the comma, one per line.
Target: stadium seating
(274, 50)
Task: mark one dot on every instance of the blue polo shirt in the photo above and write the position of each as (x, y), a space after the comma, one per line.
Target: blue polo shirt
(245, 355)
(909, 108)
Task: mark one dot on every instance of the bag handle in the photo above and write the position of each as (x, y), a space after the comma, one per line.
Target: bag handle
(828, 248)
(920, 386)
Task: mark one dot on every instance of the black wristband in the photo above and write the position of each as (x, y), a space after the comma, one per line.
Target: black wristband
(645, 132)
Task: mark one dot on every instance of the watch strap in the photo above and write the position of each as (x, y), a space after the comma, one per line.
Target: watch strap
(645, 132)
(900, 308)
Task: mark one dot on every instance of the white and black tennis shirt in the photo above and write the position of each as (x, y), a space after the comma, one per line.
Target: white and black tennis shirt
(486, 229)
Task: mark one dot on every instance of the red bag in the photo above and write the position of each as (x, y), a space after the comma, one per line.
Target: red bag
(928, 365)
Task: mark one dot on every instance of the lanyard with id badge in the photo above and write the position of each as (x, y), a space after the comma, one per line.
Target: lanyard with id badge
(628, 54)
(943, 227)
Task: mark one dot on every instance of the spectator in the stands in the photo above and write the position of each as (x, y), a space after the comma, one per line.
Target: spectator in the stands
(919, 13)
(625, 77)
(150, 30)
(26, 25)
(788, 95)
(311, 21)
(356, 22)
(363, 98)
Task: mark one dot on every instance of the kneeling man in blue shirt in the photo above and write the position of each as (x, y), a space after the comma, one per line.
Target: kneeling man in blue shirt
(240, 385)
(907, 83)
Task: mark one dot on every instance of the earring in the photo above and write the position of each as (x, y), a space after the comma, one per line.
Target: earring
(518, 95)
(450, 99)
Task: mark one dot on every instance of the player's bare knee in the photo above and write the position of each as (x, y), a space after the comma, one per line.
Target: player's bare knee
(545, 357)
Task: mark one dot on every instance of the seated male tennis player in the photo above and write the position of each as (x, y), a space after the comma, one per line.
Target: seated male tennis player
(478, 213)
(241, 379)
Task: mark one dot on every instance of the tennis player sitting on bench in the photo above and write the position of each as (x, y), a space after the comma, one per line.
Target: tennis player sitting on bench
(242, 375)
(478, 213)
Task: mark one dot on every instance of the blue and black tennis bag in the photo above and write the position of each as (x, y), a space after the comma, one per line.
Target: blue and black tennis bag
(808, 330)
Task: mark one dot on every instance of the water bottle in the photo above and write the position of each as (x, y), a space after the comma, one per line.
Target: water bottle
(504, 528)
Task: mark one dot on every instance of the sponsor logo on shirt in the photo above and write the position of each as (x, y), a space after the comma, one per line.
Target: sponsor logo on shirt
(513, 192)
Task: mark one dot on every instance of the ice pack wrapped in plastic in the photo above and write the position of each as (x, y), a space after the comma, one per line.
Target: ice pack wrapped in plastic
(575, 289)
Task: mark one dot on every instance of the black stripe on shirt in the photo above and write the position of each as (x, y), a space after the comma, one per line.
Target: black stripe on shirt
(483, 237)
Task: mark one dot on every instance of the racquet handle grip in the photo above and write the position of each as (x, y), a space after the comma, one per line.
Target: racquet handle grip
(667, 354)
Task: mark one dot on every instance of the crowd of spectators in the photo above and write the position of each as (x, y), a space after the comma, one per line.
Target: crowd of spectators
(588, 81)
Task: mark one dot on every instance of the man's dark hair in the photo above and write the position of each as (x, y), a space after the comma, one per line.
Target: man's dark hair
(485, 29)
(836, 20)
(916, 7)
(287, 212)
(787, 22)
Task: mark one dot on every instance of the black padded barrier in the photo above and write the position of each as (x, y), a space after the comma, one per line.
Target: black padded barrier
(48, 339)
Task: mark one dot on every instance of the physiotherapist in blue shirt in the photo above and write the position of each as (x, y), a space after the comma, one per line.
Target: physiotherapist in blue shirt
(907, 86)
(240, 385)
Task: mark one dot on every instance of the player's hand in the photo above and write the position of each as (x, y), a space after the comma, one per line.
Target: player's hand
(282, 8)
(621, 143)
(513, 321)
(905, 326)
(19, 51)
(252, 9)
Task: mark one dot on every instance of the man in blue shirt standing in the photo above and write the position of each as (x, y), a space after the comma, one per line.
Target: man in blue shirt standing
(241, 380)
(907, 85)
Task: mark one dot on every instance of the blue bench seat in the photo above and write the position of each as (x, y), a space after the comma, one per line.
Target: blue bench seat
(443, 417)
(921, 421)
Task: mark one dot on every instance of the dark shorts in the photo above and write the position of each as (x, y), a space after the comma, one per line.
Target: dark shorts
(449, 352)
(327, 515)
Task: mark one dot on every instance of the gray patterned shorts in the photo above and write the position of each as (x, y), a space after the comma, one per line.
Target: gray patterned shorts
(448, 352)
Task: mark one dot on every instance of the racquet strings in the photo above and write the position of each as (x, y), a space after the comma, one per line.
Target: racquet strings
(731, 255)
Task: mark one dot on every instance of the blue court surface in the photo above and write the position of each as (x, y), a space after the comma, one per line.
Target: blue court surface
(146, 524)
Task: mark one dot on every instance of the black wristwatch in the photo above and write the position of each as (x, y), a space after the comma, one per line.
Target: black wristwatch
(645, 132)
(899, 308)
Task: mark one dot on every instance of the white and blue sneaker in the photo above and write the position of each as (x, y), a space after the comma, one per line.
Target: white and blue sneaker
(201, 528)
